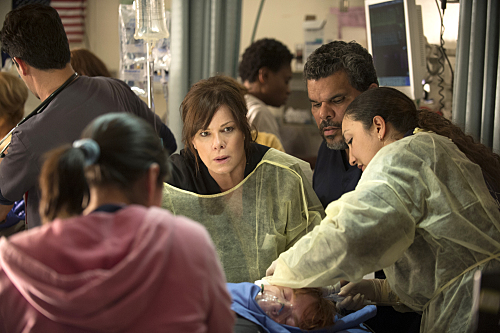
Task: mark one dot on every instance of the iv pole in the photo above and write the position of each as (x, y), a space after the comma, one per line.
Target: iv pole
(150, 25)
(149, 74)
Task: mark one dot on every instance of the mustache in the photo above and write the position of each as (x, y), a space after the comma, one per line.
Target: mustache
(329, 123)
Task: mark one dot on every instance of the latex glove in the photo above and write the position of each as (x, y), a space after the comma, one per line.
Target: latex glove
(355, 295)
(270, 270)
(370, 291)
(352, 303)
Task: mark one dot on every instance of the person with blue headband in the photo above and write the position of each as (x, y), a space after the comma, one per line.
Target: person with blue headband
(125, 265)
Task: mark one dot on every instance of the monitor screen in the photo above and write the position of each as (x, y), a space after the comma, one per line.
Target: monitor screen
(389, 46)
(395, 44)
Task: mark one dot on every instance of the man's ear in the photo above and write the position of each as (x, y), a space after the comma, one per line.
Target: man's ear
(21, 66)
(373, 85)
(380, 127)
(263, 75)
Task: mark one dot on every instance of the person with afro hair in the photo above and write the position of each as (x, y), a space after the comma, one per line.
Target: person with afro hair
(265, 71)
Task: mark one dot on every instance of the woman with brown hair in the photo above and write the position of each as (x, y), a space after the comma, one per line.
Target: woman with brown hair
(255, 201)
(87, 63)
(425, 211)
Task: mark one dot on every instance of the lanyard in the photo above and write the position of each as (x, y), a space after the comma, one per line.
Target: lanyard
(38, 110)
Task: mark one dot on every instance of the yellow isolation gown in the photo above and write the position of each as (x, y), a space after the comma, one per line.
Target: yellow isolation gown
(255, 221)
(422, 212)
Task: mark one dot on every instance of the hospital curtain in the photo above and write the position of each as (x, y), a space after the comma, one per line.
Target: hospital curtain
(205, 40)
(476, 90)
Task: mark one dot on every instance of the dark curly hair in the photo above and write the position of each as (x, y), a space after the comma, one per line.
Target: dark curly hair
(399, 110)
(338, 55)
(266, 52)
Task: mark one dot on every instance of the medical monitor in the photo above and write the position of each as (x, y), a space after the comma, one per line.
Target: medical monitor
(396, 41)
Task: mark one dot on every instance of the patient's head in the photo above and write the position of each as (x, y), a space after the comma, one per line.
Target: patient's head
(304, 308)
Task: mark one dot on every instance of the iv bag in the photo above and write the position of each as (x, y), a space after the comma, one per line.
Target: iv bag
(133, 52)
(150, 23)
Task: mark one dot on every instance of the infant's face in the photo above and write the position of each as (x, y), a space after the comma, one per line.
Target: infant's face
(288, 307)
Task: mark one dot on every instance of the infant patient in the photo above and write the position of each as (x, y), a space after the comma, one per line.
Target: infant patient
(282, 309)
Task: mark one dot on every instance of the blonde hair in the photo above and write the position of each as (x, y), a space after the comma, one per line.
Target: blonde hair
(13, 96)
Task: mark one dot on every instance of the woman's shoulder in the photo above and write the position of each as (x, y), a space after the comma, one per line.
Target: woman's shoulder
(420, 144)
(288, 162)
(190, 176)
(285, 160)
(181, 163)
(414, 156)
(183, 159)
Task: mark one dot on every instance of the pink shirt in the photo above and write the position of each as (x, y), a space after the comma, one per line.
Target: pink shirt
(137, 270)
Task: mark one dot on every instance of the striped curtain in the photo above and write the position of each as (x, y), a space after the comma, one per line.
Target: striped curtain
(72, 13)
(204, 40)
(476, 90)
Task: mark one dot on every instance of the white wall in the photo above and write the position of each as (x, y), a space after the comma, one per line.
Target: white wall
(432, 22)
(282, 20)
(101, 26)
(5, 7)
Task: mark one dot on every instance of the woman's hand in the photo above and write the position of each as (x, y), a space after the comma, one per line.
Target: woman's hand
(356, 293)
(270, 270)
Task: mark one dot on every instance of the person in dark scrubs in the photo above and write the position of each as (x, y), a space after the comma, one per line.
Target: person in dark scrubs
(335, 74)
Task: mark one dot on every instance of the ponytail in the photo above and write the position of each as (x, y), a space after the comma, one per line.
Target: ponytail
(62, 183)
(117, 150)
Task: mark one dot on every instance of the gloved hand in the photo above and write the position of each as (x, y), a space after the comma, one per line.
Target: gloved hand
(356, 293)
(270, 270)
(374, 290)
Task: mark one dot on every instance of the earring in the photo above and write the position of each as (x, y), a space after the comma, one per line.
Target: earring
(379, 138)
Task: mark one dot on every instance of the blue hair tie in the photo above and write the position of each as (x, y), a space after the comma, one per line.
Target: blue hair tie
(90, 150)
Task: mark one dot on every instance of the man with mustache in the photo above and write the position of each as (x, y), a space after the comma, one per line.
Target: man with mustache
(336, 73)
(33, 36)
